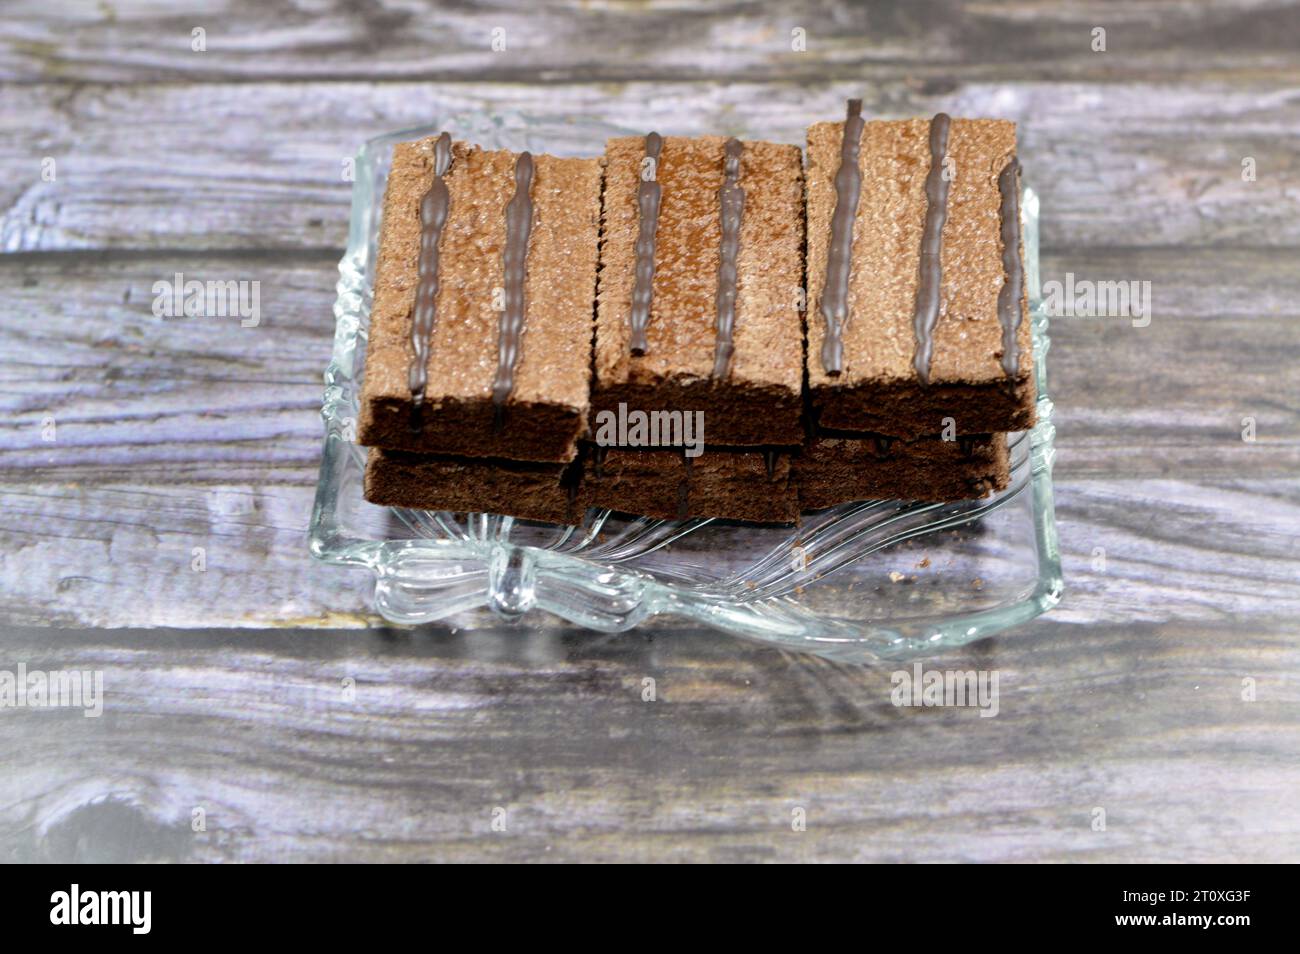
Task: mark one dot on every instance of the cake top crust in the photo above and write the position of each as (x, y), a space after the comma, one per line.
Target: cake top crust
(880, 338)
(554, 361)
(682, 332)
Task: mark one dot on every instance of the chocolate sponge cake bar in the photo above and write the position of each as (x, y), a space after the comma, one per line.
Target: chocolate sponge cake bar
(917, 303)
(833, 469)
(668, 485)
(523, 489)
(701, 269)
(663, 484)
(550, 336)
(481, 326)
(770, 486)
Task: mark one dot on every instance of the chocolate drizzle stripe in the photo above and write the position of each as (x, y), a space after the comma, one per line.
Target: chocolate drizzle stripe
(731, 199)
(1009, 314)
(434, 206)
(648, 194)
(519, 225)
(839, 258)
(931, 274)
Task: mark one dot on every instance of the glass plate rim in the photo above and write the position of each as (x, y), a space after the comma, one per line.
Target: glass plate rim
(838, 639)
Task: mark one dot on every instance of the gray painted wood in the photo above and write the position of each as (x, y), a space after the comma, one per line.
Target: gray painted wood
(566, 41)
(172, 434)
(1144, 721)
(125, 154)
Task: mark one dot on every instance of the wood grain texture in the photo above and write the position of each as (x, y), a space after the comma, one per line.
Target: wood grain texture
(261, 165)
(176, 433)
(561, 41)
(212, 401)
(120, 554)
(1144, 721)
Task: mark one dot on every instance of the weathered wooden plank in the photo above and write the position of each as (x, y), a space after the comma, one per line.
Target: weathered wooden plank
(172, 434)
(259, 165)
(121, 554)
(937, 41)
(205, 399)
(260, 732)
(127, 391)
(196, 432)
(1218, 357)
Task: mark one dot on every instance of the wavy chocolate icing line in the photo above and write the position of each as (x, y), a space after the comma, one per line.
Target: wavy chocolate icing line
(1013, 288)
(519, 225)
(839, 258)
(731, 198)
(434, 206)
(936, 213)
(648, 194)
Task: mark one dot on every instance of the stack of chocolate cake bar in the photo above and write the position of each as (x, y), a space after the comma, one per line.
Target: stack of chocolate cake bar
(632, 332)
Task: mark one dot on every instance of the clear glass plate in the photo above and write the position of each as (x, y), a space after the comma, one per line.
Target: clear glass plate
(864, 580)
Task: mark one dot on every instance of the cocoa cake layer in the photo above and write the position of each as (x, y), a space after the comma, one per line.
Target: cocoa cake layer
(834, 469)
(543, 370)
(730, 485)
(725, 341)
(666, 484)
(530, 491)
(760, 486)
(922, 337)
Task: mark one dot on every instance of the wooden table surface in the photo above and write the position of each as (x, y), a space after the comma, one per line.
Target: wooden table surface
(265, 697)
